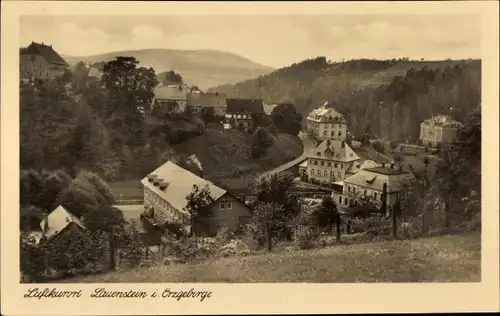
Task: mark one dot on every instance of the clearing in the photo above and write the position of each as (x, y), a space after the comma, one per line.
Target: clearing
(450, 258)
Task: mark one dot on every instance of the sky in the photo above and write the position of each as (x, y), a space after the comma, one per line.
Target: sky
(274, 41)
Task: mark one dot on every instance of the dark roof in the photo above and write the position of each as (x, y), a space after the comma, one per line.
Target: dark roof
(206, 99)
(244, 106)
(44, 50)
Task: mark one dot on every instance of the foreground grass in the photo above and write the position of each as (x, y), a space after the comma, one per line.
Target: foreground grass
(438, 259)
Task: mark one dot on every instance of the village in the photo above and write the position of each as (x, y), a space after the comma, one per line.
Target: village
(349, 180)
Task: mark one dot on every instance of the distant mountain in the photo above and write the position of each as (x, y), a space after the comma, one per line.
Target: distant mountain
(204, 68)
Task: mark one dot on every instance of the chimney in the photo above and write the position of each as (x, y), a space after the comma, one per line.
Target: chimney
(163, 185)
(151, 177)
(157, 181)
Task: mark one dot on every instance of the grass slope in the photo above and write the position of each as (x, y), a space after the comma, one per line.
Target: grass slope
(204, 68)
(225, 156)
(225, 160)
(438, 259)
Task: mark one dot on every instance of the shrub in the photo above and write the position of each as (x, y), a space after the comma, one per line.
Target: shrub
(190, 249)
(235, 247)
(131, 249)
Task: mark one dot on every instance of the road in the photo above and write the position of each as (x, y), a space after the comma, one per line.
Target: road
(308, 146)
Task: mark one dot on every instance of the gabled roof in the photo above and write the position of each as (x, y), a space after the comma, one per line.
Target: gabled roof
(57, 221)
(174, 93)
(336, 150)
(356, 166)
(325, 113)
(268, 108)
(180, 184)
(371, 180)
(206, 99)
(95, 72)
(244, 106)
(45, 51)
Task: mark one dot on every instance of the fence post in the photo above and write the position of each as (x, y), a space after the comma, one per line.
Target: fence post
(112, 249)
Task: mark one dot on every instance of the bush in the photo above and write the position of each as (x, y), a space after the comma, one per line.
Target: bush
(70, 253)
(190, 249)
(235, 247)
(131, 249)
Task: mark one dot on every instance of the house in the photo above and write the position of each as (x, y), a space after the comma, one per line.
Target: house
(329, 163)
(197, 102)
(165, 192)
(95, 72)
(172, 98)
(243, 110)
(41, 62)
(326, 123)
(368, 183)
(440, 129)
(59, 221)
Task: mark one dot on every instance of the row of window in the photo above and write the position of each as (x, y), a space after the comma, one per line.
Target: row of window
(325, 173)
(162, 203)
(332, 133)
(226, 206)
(326, 163)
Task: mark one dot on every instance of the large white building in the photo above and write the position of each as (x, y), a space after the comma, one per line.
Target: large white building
(440, 129)
(368, 183)
(326, 123)
(329, 163)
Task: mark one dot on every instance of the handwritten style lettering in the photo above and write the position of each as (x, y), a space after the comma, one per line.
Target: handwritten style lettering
(102, 293)
(51, 293)
(186, 294)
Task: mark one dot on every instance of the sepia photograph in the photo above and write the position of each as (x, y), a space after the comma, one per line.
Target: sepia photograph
(246, 148)
(165, 149)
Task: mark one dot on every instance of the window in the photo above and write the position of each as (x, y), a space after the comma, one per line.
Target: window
(339, 175)
(329, 164)
(229, 205)
(340, 133)
(322, 163)
(333, 133)
(375, 195)
(348, 188)
(341, 166)
(325, 173)
(222, 206)
(345, 202)
(364, 192)
(324, 133)
(315, 162)
(335, 165)
(340, 199)
(353, 189)
(312, 171)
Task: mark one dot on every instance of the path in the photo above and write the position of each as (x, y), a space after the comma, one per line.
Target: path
(308, 146)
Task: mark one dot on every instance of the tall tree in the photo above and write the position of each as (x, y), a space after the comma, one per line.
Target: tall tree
(197, 201)
(171, 77)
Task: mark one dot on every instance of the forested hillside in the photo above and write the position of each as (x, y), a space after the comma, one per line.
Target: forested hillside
(394, 94)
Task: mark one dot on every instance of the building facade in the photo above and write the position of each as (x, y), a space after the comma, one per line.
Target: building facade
(326, 123)
(198, 102)
(368, 184)
(329, 163)
(243, 110)
(165, 201)
(41, 62)
(172, 98)
(440, 129)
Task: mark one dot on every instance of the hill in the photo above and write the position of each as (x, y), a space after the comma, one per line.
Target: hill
(225, 156)
(204, 68)
(439, 259)
(388, 98)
